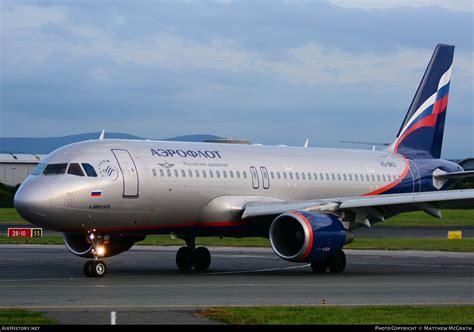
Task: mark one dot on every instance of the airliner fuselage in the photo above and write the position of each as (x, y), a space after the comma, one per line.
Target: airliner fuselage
(154, 186)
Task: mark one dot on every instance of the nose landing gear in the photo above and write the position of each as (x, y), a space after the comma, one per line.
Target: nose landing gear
(190, 256)
(96, 268)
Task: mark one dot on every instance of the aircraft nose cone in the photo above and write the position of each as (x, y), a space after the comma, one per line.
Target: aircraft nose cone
(32, 201)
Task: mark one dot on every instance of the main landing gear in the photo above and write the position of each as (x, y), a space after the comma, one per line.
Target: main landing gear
(96, 268)
(190, 256)
(336, 264)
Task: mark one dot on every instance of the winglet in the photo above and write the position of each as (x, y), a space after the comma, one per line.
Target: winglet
(102, 134)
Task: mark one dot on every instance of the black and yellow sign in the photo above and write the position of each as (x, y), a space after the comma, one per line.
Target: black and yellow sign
(36, 232)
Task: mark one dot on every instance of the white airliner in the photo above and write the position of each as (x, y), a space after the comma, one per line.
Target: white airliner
(107, 194)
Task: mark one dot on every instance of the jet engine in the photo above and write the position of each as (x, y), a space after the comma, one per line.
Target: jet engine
(81, 245)
(300, 236)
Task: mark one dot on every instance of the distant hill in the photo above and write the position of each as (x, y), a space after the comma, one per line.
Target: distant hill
(44, 145)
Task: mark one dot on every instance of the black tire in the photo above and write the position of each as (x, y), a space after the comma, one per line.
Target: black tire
(97, 269)
(201, 259)
(337, 262)
(85, 268)
(319, 267)
(184, 259)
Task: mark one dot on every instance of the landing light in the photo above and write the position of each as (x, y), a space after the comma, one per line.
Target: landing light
(100, 251)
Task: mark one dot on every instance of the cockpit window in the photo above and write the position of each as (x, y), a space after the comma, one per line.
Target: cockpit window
(75, 169)
(90, 171)
(39, 169)
(54, 169)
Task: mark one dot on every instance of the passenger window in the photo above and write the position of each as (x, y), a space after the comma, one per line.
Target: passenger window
(309, 176)
(284, 175)
(373, 177)
(383, 177)
(190, 173)
(231, 174)
(211, 174)
(153, 171)
(303, 176)
(278, 176)
(176, 174)
(378, 177)
(183, 173)
(367, 177)
(350, 177)
(333, 177)
(344, 176)
(90, 171)
(272, 175)
(224, 174)
(291, 175)
(339, 176)
(245, 174)
(203, 173)
(327, 176)
(297, 176)
(315, 176)
(197, 173)
(162, 173)
(321, 176)
(168, 172)
(218, 174)
(54, 169)
(238, 174)
(75, 169)
(356, 177)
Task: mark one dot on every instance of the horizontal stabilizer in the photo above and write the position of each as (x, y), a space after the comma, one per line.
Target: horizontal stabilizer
(454, 175)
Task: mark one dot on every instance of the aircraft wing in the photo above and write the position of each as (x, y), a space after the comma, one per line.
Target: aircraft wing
(375, 208)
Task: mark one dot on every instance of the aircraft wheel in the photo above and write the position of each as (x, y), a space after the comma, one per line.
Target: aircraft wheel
(184, 258)
(337, 263)
(201, 259)
(85, 268)
(97, 269)
(319, 267)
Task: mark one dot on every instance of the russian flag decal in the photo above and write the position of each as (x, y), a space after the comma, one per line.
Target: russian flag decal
(96, 193)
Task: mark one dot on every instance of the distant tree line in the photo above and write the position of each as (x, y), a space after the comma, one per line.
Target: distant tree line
(467, 183)
(6, 195)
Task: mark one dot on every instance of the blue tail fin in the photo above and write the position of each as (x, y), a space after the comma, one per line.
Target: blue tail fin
(421, 134)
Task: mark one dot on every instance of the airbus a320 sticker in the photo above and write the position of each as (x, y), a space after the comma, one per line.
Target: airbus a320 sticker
(107, 170)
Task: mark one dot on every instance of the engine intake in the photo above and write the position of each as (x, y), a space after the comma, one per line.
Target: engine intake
(300, 236)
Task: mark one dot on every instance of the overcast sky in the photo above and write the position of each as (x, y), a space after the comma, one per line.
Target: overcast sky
(276, 72)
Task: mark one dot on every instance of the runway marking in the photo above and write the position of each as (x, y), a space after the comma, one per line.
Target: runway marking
(262, 270)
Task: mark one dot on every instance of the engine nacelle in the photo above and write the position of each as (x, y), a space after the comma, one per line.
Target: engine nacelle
(80, 244)
(300, 236)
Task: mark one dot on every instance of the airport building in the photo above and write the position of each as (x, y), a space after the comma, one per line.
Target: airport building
(15, 167)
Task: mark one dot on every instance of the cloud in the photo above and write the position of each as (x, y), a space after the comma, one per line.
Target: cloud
(233, 68)
(457, 5)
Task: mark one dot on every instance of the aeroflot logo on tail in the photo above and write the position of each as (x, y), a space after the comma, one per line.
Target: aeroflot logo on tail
(184, 154)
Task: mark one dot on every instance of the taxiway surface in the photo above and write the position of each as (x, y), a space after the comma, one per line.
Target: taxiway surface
(144, 282)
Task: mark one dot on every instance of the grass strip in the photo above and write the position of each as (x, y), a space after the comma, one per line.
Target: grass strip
(464, 245)
(23, 317)
(372, 315)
